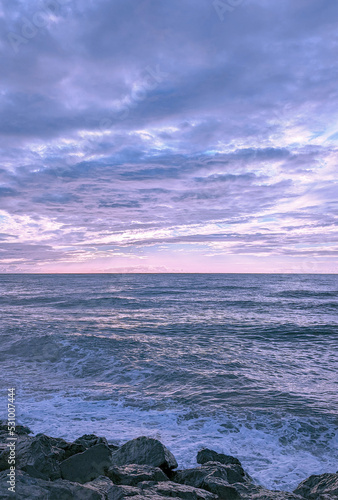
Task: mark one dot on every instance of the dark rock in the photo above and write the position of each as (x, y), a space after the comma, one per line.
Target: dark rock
(145, 451)
(4, 455)
(207, 455)
(68, 448)
(320, 487)
(86, 466)
(173, 490)
(198, 477)
(249, 491)
(131, 475)
(102, 484)
(71, 449)
(31, 488)
(221, 488)
(159, 491)
(121, 492)
(192, 477)
(20, 430)
(228, 482)
(217, 478)
(89, 440)
(5, 451)
(40, 456)
(113, 447)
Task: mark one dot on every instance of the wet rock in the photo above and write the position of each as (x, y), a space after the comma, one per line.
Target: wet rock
(199, 476)
(40, 456)
(32, 488)
(217, 478)
(121, 492)
(319, 487)
(251, 491)
(131, 475)
(89, 440)
(173, 490)
(207, 455)
(159, 491)
(221, 488)
(20, 430)
(145, 451)
(102, 484)
(5, 451)
(86, 466)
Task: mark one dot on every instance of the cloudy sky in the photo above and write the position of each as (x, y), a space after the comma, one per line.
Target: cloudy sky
(168, 136)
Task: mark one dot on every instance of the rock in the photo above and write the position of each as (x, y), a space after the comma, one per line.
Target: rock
(217, 478)
(5, 451)
(145, 451)
(40, 456)
(89, 440)
(102, 484)
(159, 491)
(228, 482)
(122, 492)
(207, 455)
(131, 475)
(199, 476)
(251, 491)
(221, 488)
(86, 466)
(320, 487)
(173, 490)
(32, 488)
(20, 430)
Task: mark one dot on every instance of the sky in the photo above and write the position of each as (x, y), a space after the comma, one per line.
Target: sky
(168, 136)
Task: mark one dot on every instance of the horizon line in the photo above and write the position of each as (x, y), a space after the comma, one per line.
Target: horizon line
(161, 272)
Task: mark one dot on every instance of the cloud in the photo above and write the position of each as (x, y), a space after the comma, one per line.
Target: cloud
(128, 126)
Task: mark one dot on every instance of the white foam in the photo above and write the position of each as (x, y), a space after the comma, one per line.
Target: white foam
(276, 456)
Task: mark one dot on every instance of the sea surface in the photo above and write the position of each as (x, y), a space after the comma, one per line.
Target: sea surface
(245, 364)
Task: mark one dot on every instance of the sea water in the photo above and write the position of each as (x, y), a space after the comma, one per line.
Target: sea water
(244, 364)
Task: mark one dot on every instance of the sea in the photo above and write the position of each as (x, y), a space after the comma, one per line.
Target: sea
(244, 364)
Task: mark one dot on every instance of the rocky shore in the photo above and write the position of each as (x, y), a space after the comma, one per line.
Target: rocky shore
(90, 468)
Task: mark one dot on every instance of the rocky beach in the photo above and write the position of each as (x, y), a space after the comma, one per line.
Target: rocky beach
(91, 468)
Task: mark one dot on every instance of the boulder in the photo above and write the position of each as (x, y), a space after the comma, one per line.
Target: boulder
(4, 449)
(207, 455)
(145, 451)
(199, 476)
(40, 456)
(158, 491)
(101, 484)
(89, 440)
(219, 479)
(32, 488)
(20, 430)
(4, 452)
(88, 465)
(121, 492)
(228, 482)
(319, 487)
(221, 488)
(131, 475)
(173, 490)
(249, 491)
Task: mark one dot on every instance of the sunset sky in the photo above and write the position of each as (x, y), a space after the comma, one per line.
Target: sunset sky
(168, 136)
